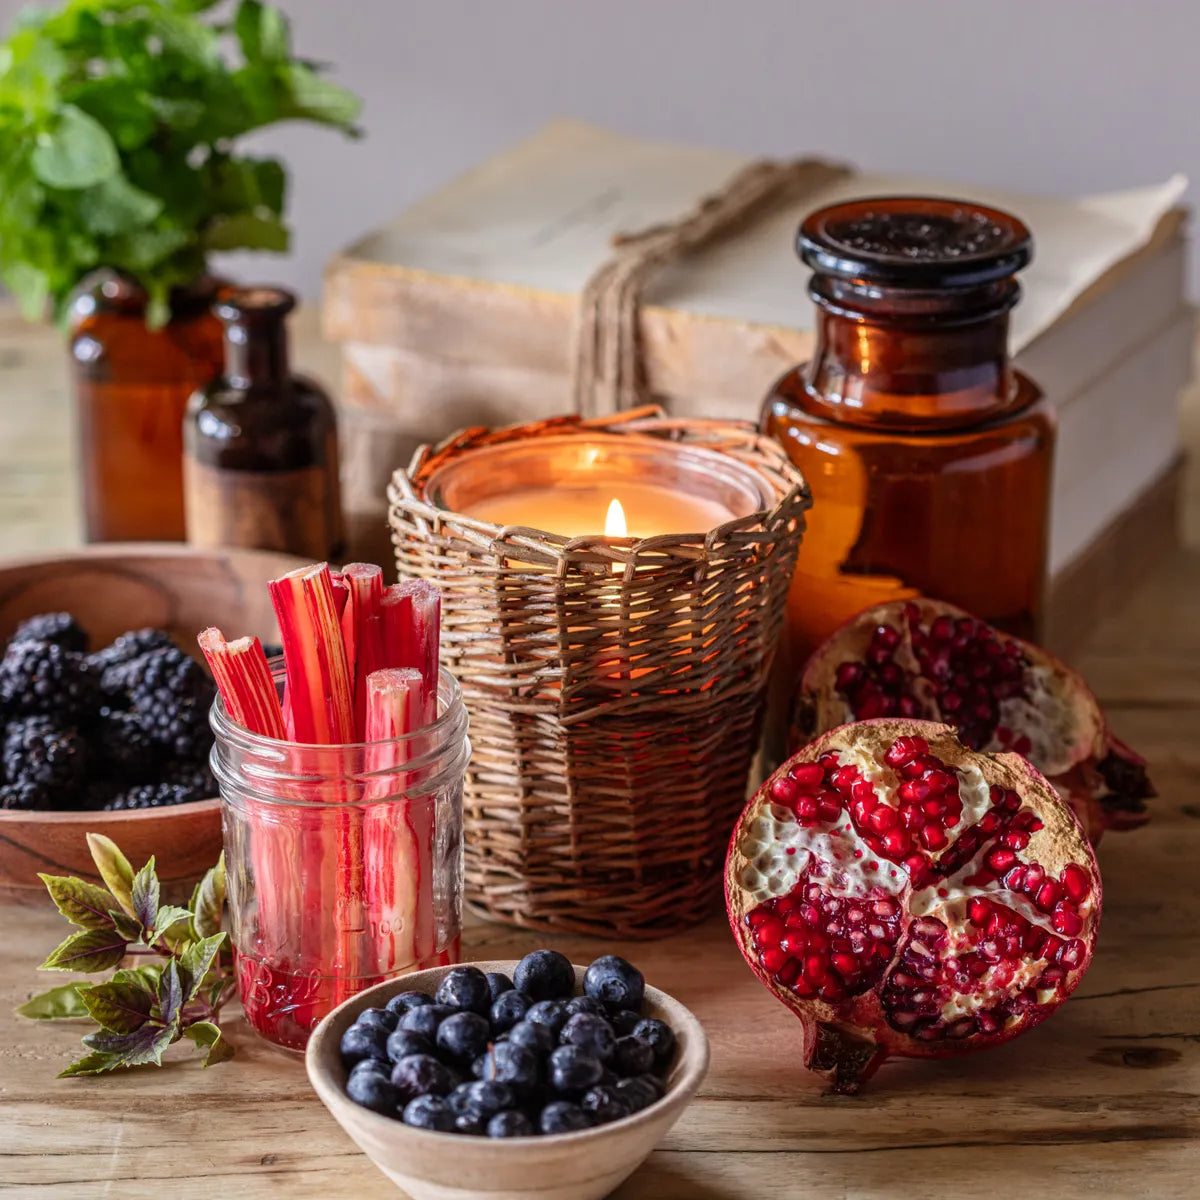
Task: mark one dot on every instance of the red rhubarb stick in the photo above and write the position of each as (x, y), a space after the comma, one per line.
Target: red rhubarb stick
(361, 632)
(244, 680)
(321, 703)
(399, 860)
(412, 614)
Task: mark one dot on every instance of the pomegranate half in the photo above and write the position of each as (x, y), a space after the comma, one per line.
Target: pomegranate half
(927, 659)
(904, 894)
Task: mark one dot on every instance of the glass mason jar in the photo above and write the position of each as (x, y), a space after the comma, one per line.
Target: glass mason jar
(343, 863)
(131, 386)
(928, 455)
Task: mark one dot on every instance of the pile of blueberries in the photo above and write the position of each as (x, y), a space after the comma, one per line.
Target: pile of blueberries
(501, 1057)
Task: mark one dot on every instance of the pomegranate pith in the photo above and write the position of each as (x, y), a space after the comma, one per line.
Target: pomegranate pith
(904, 894)
(929, 660)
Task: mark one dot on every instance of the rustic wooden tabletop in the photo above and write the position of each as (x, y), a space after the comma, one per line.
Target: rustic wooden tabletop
(1103, 1100)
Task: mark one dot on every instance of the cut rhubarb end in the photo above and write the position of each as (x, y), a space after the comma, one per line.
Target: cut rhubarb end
(395, 702)
(411, 613)
(843, 1060)
(320, 697)
(244, 680)
(361, 632)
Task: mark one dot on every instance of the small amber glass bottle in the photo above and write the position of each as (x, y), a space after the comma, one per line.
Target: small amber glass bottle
(131, 386)
(260, 444)
(928, 455)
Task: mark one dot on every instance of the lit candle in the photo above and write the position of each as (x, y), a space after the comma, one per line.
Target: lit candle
(614, 507)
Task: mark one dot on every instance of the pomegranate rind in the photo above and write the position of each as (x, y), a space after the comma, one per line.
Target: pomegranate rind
(846, 1041)
(1080, 756)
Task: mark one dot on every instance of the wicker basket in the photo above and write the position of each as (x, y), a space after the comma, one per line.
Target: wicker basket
(615, 687)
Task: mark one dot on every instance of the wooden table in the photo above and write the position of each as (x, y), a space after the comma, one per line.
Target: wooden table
(1103, 1100)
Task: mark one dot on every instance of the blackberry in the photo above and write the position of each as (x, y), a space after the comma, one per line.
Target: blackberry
(60, 628)
(40, 752)
(150, 795)
(27, 797)
(42, 677)
(124, 746)
(194, 778)
(131, 645)
(171, 696)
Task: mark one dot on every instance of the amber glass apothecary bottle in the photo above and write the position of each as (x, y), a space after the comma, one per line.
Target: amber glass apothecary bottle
(132, 383)
(928, 455)
(260, 444)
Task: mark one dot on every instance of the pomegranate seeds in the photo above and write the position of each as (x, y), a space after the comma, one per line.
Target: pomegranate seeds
(904, 894)
(925, 659)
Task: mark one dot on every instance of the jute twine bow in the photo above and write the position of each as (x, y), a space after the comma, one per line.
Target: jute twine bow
(609, 374)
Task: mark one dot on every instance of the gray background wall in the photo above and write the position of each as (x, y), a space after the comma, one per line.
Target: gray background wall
(1054, 96)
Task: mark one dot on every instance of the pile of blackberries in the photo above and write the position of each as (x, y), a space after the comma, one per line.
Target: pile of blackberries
(123, 728)
(501, 1057)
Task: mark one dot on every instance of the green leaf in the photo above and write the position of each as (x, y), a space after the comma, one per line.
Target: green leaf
(77, 153)
(88, 950)
(195, 963)
(126, 926)
(208, 899)
(320, 99)
(95, 1063)
(83, 904)
(60, 1003)
(206, 1034)
(114, 868)
(144, 1045)
(119, 1006)
(262, 32)
(116, 206)
(145, 894)
(244, 231)
(31, 286)
(170, 992)
(170, 917)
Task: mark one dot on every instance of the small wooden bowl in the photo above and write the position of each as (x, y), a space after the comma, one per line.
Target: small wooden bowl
(450, 1166)
(110, 589)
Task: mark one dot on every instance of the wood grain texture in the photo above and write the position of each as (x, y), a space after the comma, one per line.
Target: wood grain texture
(1103, 1100)
(111, 589)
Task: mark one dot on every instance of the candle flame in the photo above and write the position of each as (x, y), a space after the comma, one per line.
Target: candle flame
(614, 522)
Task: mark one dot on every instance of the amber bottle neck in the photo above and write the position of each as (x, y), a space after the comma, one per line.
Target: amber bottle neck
(906, 359)
(256, 351)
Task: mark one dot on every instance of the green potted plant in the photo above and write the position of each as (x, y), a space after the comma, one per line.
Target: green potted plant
(119, 178)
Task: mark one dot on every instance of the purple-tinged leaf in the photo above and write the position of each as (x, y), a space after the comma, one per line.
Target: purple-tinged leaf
(88, 950)
(144, 1045)
(83, 904)
(170, 993)
(145, 894)
(114, 868)
(120, 1007)
(196, 961)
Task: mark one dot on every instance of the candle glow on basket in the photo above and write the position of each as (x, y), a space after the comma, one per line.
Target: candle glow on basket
(344, 892)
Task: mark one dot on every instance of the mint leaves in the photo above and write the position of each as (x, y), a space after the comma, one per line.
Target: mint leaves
(140, 1010)
(117, 129)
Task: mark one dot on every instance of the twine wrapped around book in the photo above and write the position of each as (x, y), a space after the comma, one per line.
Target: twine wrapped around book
(608, 371)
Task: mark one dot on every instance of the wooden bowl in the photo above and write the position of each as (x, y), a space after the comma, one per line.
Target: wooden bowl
(450, 1166)
(110, 589)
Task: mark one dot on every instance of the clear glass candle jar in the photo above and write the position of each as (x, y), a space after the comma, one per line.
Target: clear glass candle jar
(343, 863)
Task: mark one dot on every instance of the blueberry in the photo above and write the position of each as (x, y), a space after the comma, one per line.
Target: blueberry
(634, 1056)
(485, 1098)
(551, 1013)
(464, 1036)
(608, 1078)
(424, 1020)
(559, 1116)
(429, 1112)
(364, 1041)
(637, 1093)
(377, 1016)
(421, 1075)
(372, 1066)
(510, 1008)
(602, 1104)
(655, 1084)
(615, 983)
(465, 989)
(469, 1123)
(510, 1124)
(573, 1070)
(498, 984)
(590, 1033)
(372, 1091)
(545, 975)
(538, 1038)
(584, 1004)
(404, 1042)
(508, 1063)
(660, 1036)
(405, 1000)
(624, 1022)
